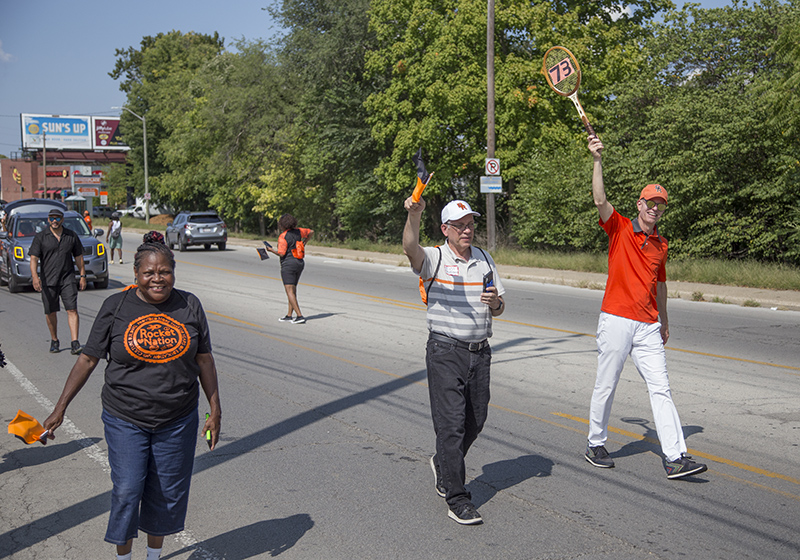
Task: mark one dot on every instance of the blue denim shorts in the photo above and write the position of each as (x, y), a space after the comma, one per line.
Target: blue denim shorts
(151, 471)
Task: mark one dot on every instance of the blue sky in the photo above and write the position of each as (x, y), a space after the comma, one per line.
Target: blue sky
(55, 56)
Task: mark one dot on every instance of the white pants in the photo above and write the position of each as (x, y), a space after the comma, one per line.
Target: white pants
(617, 337)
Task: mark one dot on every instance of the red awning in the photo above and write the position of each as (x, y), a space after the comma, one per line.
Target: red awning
(49, 191)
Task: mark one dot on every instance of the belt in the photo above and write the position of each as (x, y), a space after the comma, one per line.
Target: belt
(471, 346)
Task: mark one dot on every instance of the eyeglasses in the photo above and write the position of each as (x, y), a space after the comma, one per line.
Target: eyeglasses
(660, 206)
(460, 228)
(55, 218)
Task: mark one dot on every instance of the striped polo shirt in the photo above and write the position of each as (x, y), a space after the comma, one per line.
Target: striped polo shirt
(454, 298)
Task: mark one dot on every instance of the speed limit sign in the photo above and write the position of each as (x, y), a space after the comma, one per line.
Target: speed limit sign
(492, 166)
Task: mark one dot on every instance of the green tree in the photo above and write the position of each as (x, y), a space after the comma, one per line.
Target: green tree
(700, 125)
(432, 55)
(231, 135)
(155, 78)
(331, 152)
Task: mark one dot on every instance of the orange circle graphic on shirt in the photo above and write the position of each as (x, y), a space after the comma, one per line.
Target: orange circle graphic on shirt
(156, 338)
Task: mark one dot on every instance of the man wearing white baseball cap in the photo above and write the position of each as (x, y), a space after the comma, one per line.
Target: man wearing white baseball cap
(464, 293)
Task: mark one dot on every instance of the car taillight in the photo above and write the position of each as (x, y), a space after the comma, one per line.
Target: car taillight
(224, 226)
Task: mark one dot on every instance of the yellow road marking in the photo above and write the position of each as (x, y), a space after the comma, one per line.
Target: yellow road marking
(408, 305)
(626, 433)
(692, 452)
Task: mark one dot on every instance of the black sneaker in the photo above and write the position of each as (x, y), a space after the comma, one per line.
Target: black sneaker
(287, 319)
(683, 466)
(76, 348)
(54, 347)
(465, 514)
(298, 320)
(598, 456)
(437, 478)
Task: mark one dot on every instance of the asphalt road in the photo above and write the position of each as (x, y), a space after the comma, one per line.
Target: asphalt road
(327, 431)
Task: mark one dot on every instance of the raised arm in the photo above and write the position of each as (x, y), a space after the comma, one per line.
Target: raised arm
(598, 188)
(411, 246)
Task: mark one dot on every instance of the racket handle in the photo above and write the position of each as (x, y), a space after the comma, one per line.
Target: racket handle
(588, 127)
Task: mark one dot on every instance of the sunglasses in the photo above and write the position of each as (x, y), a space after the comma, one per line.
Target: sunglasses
(660, 206)
(55, 218)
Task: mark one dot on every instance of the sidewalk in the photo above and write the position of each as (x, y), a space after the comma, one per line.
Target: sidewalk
(783, 300)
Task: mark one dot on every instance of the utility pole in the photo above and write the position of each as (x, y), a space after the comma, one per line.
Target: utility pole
(44, 163)
(490, 139)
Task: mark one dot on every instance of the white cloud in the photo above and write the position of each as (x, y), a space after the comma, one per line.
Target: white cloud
(4, 56)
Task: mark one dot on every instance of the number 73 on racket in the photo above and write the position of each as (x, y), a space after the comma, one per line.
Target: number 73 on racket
(563, 74)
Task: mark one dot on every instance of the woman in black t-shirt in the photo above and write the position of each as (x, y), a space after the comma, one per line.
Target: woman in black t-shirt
(291, 250)
(158, 347)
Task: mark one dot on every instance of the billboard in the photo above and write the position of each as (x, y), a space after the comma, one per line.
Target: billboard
(70, 132)
(57, 132)
(106, 135)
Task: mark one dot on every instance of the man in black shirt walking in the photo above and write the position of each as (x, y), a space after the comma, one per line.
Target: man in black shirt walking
(56, 247)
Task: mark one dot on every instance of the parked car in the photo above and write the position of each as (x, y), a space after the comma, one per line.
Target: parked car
(23, 221)
(102, 211)
(196, 228)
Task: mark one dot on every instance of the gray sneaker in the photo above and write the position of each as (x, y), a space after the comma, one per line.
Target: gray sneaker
(598, 456)
(465, 514)
(54, 347)
(683, 466)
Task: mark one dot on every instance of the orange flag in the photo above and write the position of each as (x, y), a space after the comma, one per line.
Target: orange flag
(26, 428)
(423, 177)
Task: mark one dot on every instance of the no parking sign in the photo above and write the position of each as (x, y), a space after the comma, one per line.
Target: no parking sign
(492, 166)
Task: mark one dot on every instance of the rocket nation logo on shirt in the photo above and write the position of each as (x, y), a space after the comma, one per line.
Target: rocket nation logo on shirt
(156, 338)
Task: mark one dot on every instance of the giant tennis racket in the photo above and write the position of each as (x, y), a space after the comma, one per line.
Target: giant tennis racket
(563, 74)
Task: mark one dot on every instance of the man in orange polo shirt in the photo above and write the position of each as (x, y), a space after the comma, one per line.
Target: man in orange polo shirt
(633, 321)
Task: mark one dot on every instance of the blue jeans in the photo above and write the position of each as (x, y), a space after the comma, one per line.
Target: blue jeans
(458, 383)
(151, 471)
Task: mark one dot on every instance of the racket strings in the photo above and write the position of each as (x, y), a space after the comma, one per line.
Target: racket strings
(563, 72)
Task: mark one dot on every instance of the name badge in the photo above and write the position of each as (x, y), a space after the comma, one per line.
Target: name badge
(451, 269)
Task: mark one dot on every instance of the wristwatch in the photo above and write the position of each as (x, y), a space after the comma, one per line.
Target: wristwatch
(499, 307)
(83, 276)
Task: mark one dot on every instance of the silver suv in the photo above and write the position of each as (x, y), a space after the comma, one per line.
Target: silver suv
(196, 228)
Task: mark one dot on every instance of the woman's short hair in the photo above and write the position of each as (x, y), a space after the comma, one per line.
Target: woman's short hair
(152, 248)
(287, 221)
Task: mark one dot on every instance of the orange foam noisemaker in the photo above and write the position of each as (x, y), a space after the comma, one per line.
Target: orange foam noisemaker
(26, 428)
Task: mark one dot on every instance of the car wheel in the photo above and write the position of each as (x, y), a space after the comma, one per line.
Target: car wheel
(181, 245)
(206, 246)
(13, 287)
(221, 246)
(101, 285)
(169, 243)
(3, 281)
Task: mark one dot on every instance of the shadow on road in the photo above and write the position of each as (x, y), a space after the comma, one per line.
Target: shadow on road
(39, 454)
(505, 474)
(272, 536)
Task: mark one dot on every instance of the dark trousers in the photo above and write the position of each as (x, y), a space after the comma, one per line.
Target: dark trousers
(458, 383)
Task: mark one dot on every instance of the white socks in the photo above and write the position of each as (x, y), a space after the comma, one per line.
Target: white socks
(152, 554)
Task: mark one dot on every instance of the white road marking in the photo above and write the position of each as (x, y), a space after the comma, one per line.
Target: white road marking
(185, 538)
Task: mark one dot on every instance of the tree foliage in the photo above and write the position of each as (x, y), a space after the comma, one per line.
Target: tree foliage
(702, 128)
(323, 122)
